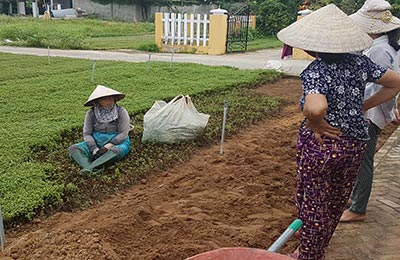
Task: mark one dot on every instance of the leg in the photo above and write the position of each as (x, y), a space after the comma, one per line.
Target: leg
(362, 188)
(312, 195)
(327, 173)
(114, 154)
(79, 155)
(342, 183)
(111, 156)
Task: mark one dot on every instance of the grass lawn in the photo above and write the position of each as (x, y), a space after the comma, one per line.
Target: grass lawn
(120, 42)
(264, 43)
(89, 34)
(74, 34)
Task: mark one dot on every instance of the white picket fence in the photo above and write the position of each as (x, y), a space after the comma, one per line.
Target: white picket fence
(184, 29)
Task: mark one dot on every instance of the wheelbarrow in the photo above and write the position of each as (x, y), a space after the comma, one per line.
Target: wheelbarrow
(247, 253)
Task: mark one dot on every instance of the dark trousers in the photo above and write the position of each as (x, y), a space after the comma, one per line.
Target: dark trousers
(362, 187)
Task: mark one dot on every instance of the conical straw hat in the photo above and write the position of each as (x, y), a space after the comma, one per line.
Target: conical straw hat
(374, 17)
(102, 91)
(327, 30)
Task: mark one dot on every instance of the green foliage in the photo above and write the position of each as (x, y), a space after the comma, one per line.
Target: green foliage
(73, 34)
(272, 16)
(396, 9)
(258, 41)
(152, 47)
(350, 6)
(263, 43)
(347, 6)
(124, 2)
(42, 107)
(120, 42)
(254, 34)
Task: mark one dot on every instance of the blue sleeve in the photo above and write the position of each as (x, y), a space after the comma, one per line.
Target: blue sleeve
(313, 82)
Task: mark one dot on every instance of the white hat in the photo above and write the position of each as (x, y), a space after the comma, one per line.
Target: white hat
(102, 91)
(327, 30)
(374, 17)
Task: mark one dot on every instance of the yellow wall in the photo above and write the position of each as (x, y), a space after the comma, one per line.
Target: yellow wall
(216, 43)
(252, 21)
(158, 30)
(299, 54)
(217, 35)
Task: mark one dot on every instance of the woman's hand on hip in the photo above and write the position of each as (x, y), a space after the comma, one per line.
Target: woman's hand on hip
(321, 127)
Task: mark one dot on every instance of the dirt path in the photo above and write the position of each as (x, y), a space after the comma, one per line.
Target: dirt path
(242, 198)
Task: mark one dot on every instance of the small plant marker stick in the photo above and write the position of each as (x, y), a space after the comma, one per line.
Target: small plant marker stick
(93, 68)
(172, 57)
(148, 63)
(48, 54)
(2, 233)
(221, 150)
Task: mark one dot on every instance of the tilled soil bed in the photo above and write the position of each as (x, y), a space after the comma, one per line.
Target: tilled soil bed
(244, 197)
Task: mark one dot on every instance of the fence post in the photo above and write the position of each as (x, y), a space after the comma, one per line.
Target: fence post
(158, 34)
(253, 21)
(217, 36)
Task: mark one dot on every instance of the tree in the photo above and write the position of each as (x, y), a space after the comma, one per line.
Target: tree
(5, 5)
(272, 16)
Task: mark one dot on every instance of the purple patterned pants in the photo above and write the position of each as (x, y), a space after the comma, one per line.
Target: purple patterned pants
(325, 178)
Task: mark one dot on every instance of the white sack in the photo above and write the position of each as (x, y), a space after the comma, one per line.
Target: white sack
(176, 121)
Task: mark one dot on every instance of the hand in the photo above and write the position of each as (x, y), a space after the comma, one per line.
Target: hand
(99, 153)
(364, 109)
(397, 114)
(109, 146)
(322, 127)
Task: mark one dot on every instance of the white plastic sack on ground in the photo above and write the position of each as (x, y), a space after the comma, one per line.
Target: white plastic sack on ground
(273, 65)
(176, 121)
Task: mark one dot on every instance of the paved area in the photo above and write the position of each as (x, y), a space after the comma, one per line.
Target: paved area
(250, 60)
(378, 238)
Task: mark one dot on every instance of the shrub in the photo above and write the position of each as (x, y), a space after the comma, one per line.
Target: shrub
(150, 47)
(272, 16)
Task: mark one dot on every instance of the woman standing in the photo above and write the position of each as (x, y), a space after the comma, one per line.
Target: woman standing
(105, 131)
(374, 18)
(333, 136)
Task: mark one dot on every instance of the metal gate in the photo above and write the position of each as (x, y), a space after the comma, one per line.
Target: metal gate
(238, 30)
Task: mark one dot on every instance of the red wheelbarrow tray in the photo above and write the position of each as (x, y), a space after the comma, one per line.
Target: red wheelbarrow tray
(239, 253)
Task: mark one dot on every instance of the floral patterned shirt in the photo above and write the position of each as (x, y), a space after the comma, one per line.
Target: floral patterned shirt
(343, 84)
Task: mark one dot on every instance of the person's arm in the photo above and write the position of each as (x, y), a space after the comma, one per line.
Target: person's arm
(390, 82)
(88, 129)
(123, 128)
(315, 107)
(386, 59)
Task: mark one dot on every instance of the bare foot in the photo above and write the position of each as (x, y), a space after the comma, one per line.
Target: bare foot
(349, 216)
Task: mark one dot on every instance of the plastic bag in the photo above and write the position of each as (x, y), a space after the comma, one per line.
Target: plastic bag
(176, 121)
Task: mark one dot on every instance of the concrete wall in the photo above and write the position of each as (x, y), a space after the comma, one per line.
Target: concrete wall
(216, 36)
(21, 7)
(132, 13)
